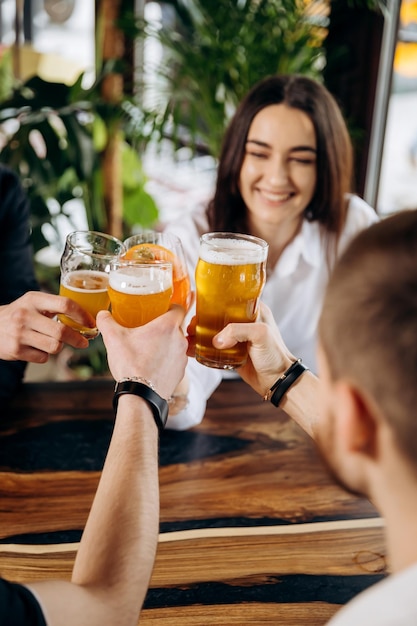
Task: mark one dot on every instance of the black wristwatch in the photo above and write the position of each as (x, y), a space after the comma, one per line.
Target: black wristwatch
(157, 404)
(284, 382)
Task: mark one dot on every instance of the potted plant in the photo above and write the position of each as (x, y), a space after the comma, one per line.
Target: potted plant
(53, 135)
(214, 52)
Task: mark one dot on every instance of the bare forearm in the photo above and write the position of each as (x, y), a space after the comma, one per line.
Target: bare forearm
(301, 402)
(128, 528)
(114, 563)
(116, 554)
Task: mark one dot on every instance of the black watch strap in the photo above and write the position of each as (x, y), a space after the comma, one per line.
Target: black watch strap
(281, 386)
(158, 405)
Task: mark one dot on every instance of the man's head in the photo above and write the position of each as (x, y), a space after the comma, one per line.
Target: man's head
(368, 343)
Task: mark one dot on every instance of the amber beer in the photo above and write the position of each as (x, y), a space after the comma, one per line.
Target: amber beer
(148, 246)
(230, 276)
(85, 266)
(89, 289)
(139, 292)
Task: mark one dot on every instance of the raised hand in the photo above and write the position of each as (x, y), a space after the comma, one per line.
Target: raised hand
(155, 351)
(28, 331)
(268, 358)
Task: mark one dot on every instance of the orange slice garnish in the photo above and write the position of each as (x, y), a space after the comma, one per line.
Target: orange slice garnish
(151, 252)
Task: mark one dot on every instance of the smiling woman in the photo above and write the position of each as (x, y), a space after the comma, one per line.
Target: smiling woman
(279, 174)
(285, 175)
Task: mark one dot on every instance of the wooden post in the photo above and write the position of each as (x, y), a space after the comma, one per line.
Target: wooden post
(112, 41)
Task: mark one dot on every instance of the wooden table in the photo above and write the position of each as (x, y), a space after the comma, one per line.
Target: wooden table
(253, 530)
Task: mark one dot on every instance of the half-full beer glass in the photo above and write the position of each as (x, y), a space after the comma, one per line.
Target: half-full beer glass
(139, 292)
(85, 267)
(230, 276)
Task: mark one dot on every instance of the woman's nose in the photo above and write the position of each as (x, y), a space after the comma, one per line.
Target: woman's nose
(277, 171)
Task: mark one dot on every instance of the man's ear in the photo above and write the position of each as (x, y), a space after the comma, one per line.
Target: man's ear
(357, 421)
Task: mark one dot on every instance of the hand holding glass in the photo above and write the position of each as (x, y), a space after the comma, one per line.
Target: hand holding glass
(139, 292)
(85, 267)
(230, 276)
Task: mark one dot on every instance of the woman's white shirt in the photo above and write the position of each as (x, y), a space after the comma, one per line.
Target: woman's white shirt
(294, 292)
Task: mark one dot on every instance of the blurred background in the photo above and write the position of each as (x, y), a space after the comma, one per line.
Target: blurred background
(374, 56)
(112, 111)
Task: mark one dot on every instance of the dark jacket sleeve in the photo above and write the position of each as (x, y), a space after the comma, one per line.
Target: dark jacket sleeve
(18, 606)
(17, 275)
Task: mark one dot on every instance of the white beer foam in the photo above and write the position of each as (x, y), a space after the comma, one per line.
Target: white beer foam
(87, 276)
(141, 280)
(232, 252)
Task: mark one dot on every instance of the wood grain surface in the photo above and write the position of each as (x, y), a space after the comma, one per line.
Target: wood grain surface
(253, 530)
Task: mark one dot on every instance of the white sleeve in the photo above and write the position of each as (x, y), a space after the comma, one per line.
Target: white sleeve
(202, 382)
(359, 216)
(189, 229)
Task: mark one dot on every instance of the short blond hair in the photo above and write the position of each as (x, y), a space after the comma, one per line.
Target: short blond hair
(368, 326)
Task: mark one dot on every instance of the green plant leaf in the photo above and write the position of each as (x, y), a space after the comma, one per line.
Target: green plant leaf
(139, 208)
(133, 176)
(100, 134)
(80, 146)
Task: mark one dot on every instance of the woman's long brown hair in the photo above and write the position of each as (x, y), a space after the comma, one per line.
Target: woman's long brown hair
(227, 210)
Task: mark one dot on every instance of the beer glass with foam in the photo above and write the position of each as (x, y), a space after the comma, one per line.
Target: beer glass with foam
(148, 246)
(230, 276)
(139, 292)
(85, 267)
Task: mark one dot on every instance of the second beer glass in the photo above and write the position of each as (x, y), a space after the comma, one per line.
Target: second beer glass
(230, 276)
(149, 246)
(139, 292)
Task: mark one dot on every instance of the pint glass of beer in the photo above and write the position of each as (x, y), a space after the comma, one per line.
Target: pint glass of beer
(85, 267)
(149, 246)
(230, 276)
(139, 292)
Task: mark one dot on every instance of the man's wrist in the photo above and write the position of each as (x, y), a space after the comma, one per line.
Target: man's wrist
(270, 380)
(282, 385)
(145, 390)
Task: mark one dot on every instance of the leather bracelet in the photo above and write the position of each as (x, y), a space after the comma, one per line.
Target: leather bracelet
(284, 382)
(158, 405)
